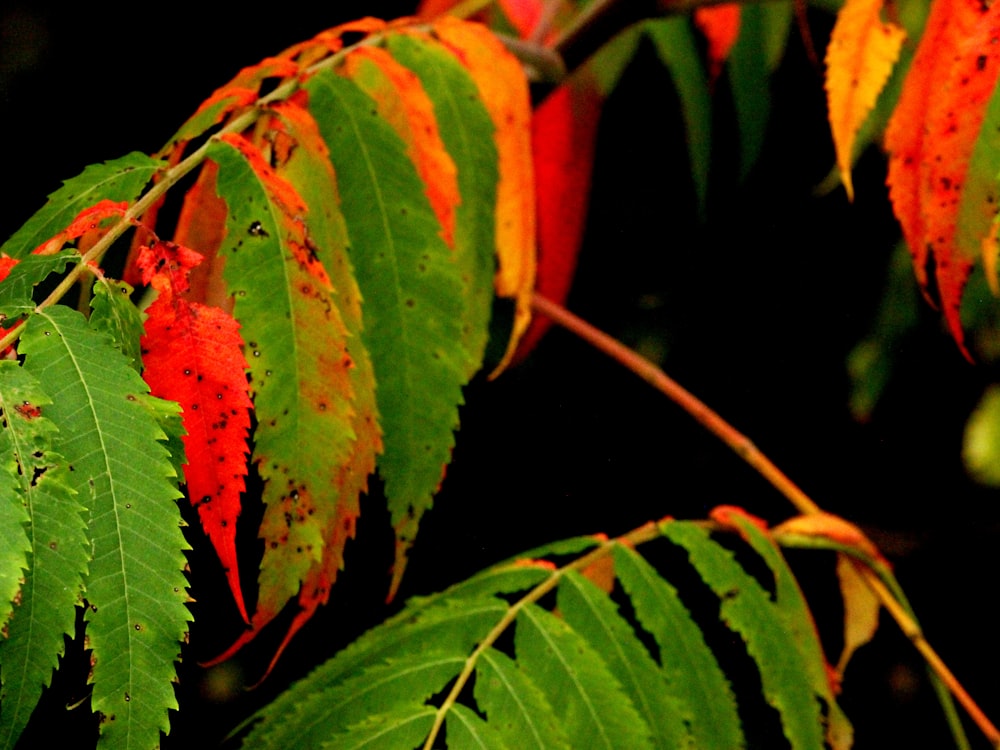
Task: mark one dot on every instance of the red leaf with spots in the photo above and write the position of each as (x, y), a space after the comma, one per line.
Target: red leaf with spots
(193, 354)
(931, 139)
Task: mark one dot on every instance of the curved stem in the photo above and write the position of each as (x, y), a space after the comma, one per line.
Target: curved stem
(746, 450)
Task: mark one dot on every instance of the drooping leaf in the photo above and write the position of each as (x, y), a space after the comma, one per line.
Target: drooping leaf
(564, 140)
(118, 180)
(293, 144)
(58, 550)
(298, 360)
(463, 123)
(193, 354)
(413, 307)
(800, 627)
(504, 91)
(591, 613)
(695, 681)
(402, 102)
(720, 24)
(19, 407)
(674, 42)
(861, 611)
(748, 610)
(135, 587)
(931, 137)
(859, 60)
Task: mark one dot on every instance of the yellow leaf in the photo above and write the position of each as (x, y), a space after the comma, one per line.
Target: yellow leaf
(861, 610)
(504, 91)
(859, 59)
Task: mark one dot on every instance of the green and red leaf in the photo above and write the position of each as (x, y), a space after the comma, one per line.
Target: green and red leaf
(931, 138)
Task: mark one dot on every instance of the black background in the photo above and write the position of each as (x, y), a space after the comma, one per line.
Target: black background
(755, 311)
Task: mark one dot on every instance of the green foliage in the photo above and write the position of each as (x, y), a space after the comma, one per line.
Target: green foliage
(581, 674)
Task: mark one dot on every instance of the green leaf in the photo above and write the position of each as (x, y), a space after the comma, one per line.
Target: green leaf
(58, 550)
(297, 348)
(466, 731)
(799, 625)
(748, 610)
(515, 706)
(590, 612)
(135, 588)
(674, 41)
(114, 314)
(693, 675)
(413, 299)
(466, 129)
(384, 687)
(17, 288)
(118, 180)
(749, 74)
(402, 728)
(587, 699)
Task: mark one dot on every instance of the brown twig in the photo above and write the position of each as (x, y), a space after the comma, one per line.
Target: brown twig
(746, 450)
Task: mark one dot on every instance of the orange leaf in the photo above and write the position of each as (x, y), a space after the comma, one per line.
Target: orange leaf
(833, 528)
(504, 92)
(192, 354)
(931, 137)
(859, 59)
(720, 25)
(402, 102)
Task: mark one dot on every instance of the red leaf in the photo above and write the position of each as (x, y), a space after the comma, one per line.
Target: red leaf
(193, 354)
(721, 26)
(564, 137)
(932, 135)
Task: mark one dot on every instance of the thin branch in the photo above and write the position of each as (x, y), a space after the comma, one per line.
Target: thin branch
(746, 450)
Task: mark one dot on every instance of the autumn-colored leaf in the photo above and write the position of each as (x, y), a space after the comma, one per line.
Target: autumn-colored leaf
(931, 138)
(201, 226)
(861, 610)
(193, 355)
(859, 59)
(299, 364)
(504, 91)
(720, 24)
(306, 165)
(403, 103)
(564, 138)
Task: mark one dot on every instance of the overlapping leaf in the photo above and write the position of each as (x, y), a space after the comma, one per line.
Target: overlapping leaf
(581, 676)
(192, 354)
(412, 289)
(299, 365)
(931, 138)
(859, 60)
(135, 587)
(57, 546)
